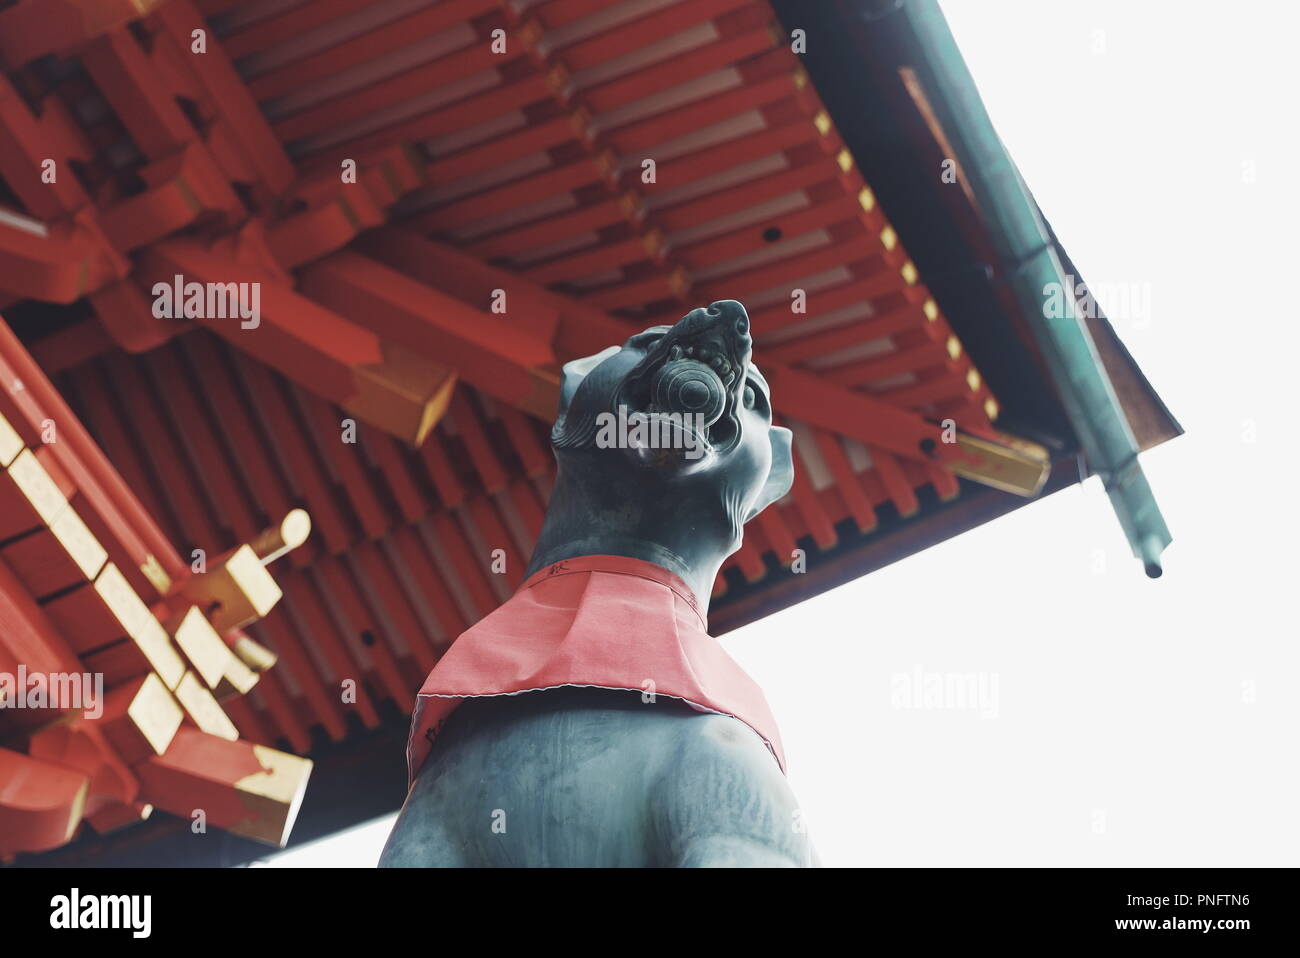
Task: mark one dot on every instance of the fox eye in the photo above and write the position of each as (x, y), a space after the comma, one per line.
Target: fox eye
(749, 397)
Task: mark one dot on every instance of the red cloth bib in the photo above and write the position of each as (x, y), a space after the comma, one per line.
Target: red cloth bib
(605, 621)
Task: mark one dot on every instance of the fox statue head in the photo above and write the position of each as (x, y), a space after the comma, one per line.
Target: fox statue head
(666, 448)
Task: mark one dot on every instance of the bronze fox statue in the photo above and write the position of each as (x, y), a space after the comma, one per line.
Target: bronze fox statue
(591, 721)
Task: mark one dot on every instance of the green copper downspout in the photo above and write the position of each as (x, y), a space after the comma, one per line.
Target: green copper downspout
(1033, 268)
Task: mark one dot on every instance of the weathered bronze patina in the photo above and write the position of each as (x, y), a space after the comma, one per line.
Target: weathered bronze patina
(666, 449)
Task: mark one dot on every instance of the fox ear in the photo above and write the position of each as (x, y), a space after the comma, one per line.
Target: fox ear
(575, 371)
(780, 477)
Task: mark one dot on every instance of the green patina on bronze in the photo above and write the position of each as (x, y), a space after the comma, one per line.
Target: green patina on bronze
(592, 777)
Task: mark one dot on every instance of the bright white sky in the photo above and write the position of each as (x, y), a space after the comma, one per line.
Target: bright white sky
(1135, 722)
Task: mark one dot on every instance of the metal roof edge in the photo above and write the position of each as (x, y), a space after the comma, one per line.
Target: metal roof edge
(1030, 262)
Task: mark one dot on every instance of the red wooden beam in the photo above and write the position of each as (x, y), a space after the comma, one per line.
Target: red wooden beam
(474, 58)
(322, 700)
(40, 803)
(787, 125)
(126, 79)
(229, 97)
(589, 218)
(515, 94)
(300, 338)
(365, 48)
(245, 788)
(488, 350)
(34, 28)
(58, 264)
(132, 528)
(26, 142)
(342, 585)
(517, 193)
(740, 38)
(304, 604)
(282, 26)
(283, 430)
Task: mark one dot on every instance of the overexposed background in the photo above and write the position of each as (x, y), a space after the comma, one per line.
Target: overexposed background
(1127, 721)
